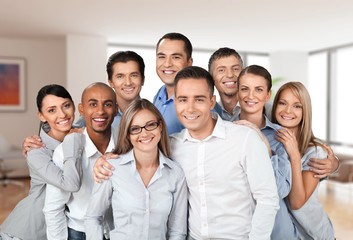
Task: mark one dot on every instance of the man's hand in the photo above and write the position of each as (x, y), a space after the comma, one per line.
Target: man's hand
(324, 167)
(102, 169)
(31, 142)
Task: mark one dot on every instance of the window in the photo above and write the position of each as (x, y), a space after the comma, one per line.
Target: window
(317, 87)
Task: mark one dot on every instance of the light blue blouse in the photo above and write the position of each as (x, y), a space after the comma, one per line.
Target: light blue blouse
(311, 220)
(158, 211)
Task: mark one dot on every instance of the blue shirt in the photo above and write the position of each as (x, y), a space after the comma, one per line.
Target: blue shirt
(158, 211)
(167, 109)
(284, 227)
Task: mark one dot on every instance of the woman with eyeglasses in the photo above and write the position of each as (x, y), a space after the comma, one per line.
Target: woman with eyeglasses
(147, 190)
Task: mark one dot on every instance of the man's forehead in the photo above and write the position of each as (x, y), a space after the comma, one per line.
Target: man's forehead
(98, 92)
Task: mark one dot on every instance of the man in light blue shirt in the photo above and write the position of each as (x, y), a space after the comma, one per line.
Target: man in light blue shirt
(126, 75)
(174, 52)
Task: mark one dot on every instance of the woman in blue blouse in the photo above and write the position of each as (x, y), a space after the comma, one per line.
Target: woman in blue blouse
(254, 91)
(56, 113)
(147, 190)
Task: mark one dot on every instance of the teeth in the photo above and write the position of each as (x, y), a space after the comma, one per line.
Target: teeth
(99, 119)
(146, 140)
(251, 103)
(229, 84)
(128, 89)
(168, 71)
(63, 122)
(190, 117)
(287, 118)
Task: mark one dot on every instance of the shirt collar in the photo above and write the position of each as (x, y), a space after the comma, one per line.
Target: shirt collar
(219, 130)
(163, 96)
(270, 124)
(50, 143)
(91, 149)
(236, 109)
(129, 158)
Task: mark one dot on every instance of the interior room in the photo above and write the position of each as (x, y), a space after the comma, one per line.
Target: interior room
(69, 42)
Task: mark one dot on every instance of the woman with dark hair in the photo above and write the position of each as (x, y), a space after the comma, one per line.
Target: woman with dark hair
(254, 91)
(147, 191)
(292, 109)
(56, 113)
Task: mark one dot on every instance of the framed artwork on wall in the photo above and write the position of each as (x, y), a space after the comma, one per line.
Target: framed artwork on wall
(12, 84)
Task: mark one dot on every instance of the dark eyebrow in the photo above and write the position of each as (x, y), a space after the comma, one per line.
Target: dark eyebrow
(200, 96)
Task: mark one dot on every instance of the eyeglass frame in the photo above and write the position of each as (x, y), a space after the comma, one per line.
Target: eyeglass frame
(147, 124)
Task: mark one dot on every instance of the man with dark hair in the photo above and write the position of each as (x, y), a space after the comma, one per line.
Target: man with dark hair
(224, 65)
(229, 175)
(126, 75)
(173, 53)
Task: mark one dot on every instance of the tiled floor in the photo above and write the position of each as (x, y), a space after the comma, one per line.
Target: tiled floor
(337, 199)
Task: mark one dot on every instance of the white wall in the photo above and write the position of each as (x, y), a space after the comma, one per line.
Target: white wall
(86, 58)
(45, 63)
(290, 66)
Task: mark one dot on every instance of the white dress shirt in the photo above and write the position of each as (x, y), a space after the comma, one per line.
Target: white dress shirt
(158, 211)
(232, 188)
(57, 218)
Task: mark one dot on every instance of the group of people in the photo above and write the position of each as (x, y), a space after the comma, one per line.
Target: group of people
(182, 167)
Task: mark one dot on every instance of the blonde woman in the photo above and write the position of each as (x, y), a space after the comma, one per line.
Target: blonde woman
(292, 109)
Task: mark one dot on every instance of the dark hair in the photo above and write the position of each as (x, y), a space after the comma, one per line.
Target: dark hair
(224, 52)
(125, 56)
(124, 143)
(180, 37)
(195, 73)
(258, 71)
(52, 89)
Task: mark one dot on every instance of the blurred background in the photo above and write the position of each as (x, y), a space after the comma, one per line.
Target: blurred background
(68, 43)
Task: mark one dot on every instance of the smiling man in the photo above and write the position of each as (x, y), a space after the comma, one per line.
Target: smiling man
(232, 189)
(98, 107)
(173, 53)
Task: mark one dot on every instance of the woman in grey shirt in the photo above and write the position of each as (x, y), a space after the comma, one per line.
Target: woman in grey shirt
(147, 190)
(56, 113)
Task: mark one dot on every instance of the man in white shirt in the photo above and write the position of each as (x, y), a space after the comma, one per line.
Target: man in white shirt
(98, 107)
(232, 188)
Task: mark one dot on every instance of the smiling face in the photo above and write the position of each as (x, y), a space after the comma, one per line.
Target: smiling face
(225, 72)
(98, 107)
(193, 103)
(253, 93)
(59, 113)
(171, 58)
(145, 141)
(289, 110)
(126, 81)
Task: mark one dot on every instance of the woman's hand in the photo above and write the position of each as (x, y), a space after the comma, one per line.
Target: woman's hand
(289, 141)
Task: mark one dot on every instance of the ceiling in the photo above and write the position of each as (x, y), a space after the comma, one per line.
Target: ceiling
(246, 25)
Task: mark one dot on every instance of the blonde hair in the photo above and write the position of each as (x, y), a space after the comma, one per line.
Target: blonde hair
(305, 135)
(124, 143)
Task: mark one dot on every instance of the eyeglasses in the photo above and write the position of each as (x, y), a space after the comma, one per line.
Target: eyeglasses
(150, 126)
